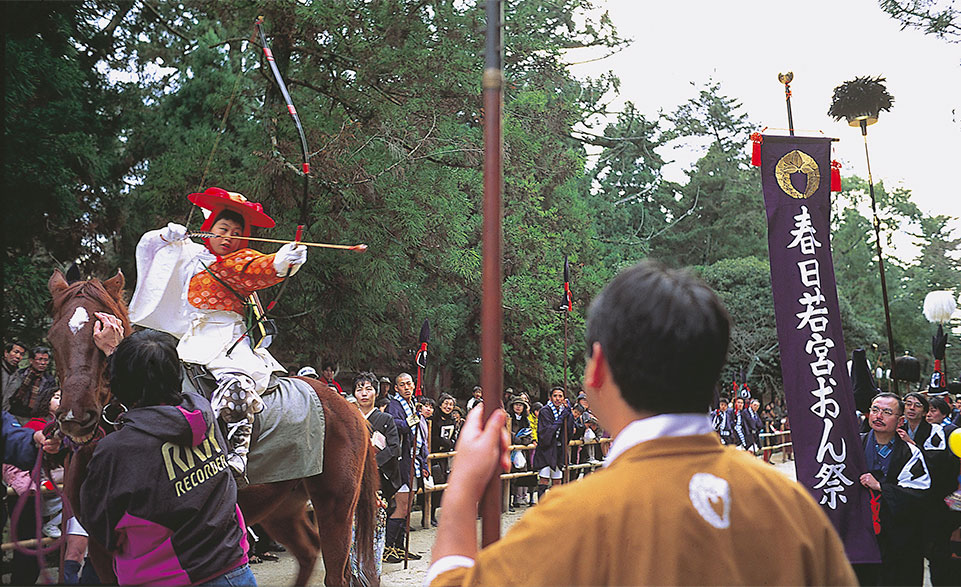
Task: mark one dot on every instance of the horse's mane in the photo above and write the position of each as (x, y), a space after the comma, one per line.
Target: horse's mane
(95, 291)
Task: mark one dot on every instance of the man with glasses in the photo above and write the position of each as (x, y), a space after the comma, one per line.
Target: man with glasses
(914, 426)
(898, 479)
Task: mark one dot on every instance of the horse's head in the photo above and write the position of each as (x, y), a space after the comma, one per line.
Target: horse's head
(81, 365)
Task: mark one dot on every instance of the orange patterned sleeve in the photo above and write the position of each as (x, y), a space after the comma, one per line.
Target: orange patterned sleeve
(247, 271)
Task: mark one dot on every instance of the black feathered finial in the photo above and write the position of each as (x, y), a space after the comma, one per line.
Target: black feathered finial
(939, 344)
(860, 98)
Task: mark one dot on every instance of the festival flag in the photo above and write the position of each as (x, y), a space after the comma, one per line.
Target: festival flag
(795, 174)
(568, 298)
(421, 357)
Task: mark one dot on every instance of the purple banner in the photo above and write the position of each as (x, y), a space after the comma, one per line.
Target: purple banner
(795, 177)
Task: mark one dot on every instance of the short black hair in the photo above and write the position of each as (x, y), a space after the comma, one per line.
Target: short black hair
(145, 370)
(39, 350)
(328, 364)
(665, 336)
(381, 402)
(941, 405)
(891, 395)
(918, 396)
(231, 215)
(9, 346)
(365, 376)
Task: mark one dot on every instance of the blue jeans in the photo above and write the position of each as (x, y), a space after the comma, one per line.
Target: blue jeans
(242, 576)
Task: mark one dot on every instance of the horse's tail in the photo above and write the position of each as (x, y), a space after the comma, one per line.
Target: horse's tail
(366, 516)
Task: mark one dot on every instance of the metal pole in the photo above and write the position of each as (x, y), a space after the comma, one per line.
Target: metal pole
(786, 79)
(877, 240)
(492, 372)
(413, 494)
(566, 313)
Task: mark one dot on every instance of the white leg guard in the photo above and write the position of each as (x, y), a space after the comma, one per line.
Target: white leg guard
(235, 402)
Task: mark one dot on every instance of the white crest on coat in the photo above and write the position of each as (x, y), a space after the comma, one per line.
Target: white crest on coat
(706, 491)
(79, 318)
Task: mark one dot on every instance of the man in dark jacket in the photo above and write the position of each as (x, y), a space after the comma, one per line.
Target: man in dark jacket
(898, 480)
(34, 382)
(12, 355)
(552, 421)
(940, 520)
(402, 409)
(914, 425)
(723, 421)
(755, 423)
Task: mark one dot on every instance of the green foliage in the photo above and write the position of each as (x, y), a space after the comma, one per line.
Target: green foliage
(117, 110)
(61, 153)
(720, 212)
(744, 285)
(933, 17)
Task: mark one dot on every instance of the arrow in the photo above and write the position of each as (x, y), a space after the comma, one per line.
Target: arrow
(359, 248)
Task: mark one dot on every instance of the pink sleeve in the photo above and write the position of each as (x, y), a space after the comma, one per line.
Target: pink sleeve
(18, 479)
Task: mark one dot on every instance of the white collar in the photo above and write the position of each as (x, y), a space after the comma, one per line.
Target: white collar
(660, 426)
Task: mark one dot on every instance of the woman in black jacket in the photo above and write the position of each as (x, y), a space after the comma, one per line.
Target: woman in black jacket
(443, 436)
(384, 438)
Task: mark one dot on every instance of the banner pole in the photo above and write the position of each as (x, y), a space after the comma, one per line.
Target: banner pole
(786, 79)
(877, 241)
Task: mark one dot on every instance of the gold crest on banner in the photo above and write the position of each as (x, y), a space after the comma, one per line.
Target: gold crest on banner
(797, 162)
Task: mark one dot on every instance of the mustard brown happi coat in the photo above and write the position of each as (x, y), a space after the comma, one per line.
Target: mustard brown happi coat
(669, 511)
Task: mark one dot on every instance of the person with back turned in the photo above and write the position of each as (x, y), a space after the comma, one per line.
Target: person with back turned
(669, 491)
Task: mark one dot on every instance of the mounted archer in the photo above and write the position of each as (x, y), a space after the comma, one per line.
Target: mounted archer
(199, 294)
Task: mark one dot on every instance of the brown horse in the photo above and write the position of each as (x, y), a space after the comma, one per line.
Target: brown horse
(346, 487)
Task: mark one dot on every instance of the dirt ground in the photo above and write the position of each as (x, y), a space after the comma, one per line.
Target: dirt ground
(283, 571)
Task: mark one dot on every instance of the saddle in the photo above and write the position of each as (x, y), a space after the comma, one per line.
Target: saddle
(287, 441)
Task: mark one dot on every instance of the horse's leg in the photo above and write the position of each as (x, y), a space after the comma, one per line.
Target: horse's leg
(289, 525)
(348, 480)
(334, 511)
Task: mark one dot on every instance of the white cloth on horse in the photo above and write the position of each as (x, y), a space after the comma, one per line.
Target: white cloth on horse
(164, 270)
(210, 336)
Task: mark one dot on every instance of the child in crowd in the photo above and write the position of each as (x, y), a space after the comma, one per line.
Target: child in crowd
(24, 566)
(199, 294)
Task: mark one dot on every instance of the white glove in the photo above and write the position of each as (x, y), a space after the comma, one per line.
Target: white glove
(174, 232)
(290, 256)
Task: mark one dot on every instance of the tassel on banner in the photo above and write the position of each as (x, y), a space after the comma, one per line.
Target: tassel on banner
(757, 139)
(835, 176)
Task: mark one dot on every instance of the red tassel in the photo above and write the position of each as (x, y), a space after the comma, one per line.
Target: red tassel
(835, 176)
(875, 510)
(757, 139)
